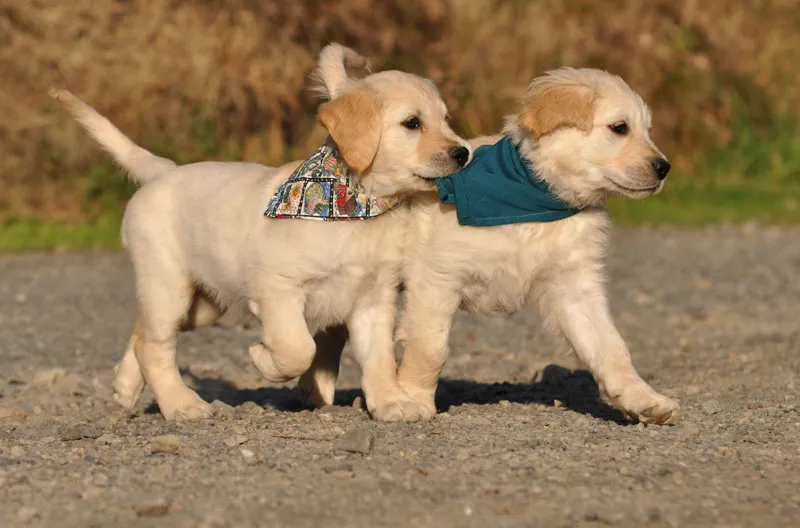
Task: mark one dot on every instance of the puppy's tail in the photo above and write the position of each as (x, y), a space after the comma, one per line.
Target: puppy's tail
(331, 74)
(142, 165)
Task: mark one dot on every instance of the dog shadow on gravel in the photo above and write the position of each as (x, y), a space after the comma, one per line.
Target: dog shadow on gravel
(286, 399)
(575, 390)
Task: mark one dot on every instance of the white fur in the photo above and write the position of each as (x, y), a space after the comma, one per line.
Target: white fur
(199, 242)
(557, 266)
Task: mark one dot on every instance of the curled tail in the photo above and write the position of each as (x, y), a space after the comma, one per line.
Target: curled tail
(142, 165)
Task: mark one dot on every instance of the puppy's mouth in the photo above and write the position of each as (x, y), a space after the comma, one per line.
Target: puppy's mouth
(636, 190)
(423, 177)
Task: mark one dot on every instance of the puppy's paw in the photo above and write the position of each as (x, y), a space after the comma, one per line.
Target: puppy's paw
(425, 397)
(185, 405)
(401, 410)
(639, 400)
(128, 386)
(262, 360)
(317, 389)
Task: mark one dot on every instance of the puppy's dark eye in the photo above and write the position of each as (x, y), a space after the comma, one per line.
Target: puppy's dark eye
(620, 128)
(412, 123)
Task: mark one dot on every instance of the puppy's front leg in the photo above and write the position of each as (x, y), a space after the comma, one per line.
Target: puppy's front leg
(576, 303)
(371, 327)
(431, 302)
(286, 349)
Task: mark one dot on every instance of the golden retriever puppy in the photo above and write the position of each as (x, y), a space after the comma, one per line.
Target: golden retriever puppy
(199, 239)
(580, 136)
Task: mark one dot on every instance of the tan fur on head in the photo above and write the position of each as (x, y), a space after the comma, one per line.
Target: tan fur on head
(566, 130)
(558, 99)
(354, 122)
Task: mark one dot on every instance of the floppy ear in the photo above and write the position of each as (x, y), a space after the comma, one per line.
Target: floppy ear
(551, 106)
(354, 122)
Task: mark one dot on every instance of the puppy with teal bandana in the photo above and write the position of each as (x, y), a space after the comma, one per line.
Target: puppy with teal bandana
(525, 225)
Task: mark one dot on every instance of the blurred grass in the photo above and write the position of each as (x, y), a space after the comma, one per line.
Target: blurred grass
(226, 80)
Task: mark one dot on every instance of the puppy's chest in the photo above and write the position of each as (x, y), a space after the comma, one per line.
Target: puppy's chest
(332, 298)
(501, 286)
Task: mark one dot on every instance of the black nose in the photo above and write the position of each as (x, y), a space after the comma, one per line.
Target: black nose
(661, 166)
(461, 155)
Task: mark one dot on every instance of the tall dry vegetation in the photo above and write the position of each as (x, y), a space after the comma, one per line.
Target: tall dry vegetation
(171, 73)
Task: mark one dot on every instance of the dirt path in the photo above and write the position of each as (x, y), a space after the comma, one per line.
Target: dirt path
(712, 318)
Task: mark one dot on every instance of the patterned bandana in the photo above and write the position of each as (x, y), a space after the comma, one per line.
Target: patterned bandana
(325, 188)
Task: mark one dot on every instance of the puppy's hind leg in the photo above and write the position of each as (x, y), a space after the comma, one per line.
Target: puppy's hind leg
(165, 296)
(128, 381)
(318, 384)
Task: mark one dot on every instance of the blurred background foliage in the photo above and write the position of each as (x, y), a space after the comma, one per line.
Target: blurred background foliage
(227, 79)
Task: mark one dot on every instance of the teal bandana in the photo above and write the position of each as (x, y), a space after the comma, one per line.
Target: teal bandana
(499, 188)
(324, 188)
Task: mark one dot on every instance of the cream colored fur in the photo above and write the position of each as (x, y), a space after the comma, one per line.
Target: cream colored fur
(563, 130)
(199, 242)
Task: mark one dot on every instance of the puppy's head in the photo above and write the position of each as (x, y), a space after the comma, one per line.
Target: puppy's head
(587, 133)
(391, 127)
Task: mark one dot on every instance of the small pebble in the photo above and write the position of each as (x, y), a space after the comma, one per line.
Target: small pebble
(235, 440)
(250, 407)
(711, 407)
(358, 403)
(165, 444)
(12, 414)
(223, 410)
(358, 440)
(80, 431)
(46, 378)
(27, 514)
(155, 508)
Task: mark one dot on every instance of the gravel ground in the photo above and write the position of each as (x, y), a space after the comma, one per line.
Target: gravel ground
(521, 439)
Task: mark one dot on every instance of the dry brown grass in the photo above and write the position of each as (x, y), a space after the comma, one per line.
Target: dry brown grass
(153, 66)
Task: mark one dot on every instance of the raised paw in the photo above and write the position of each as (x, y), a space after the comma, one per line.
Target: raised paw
(128, 386)
(401, 410)
(184, 405)
(262, 360)
(640, 401)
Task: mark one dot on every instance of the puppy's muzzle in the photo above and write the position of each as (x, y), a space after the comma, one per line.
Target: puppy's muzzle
(661, 167)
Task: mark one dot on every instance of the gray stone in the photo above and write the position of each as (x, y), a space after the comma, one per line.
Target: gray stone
(711, 407)
(359, 440)
(79, 432)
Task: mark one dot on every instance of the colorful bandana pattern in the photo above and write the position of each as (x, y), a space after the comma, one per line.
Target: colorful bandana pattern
(325, 188)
